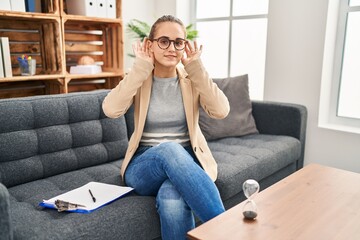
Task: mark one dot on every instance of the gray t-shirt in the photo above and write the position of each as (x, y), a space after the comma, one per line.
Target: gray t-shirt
(166, 119)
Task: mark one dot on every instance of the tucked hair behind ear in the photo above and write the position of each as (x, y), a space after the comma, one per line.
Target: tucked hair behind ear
(165, 18)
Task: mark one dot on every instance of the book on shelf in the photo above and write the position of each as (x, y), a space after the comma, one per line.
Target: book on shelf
(17, 5)
(33, 5)
(101, 8)
(1, 64)
(111, 8)
(6, 59)
(5, 5)
(87, 198)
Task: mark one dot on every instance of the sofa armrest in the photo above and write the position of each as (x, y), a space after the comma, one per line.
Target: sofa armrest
(282, 119)
(5, 223)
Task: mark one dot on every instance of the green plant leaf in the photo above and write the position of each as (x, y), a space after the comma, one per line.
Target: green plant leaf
(139, 28)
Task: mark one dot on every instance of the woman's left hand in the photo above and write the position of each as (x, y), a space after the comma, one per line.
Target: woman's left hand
(192, 53)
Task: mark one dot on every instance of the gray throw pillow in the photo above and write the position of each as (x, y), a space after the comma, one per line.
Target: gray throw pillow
(240, 120)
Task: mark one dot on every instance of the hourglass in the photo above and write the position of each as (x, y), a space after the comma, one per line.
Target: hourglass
(250, 188)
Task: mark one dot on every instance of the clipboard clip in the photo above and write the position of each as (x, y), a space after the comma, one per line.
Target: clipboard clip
(66, 206)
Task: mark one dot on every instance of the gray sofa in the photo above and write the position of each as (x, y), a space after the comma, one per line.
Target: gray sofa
(52, 144)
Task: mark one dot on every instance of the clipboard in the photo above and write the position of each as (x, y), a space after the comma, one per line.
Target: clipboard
(102, 192)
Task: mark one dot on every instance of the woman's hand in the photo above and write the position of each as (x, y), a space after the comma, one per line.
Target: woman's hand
(192, 53)
(142, 50)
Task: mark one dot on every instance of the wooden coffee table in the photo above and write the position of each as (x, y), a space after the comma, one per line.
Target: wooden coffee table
(316, 202)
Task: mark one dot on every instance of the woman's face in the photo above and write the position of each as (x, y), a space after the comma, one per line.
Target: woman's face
(169, 57)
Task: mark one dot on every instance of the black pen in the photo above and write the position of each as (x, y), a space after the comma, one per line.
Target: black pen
(92, 196)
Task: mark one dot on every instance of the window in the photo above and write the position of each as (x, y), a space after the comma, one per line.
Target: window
(340, 86)
(233, 34)
(349, 92)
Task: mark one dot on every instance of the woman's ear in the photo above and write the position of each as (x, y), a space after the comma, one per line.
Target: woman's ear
(149, 45)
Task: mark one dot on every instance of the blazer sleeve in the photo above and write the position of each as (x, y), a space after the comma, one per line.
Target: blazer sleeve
(120, 98)
(212, 99)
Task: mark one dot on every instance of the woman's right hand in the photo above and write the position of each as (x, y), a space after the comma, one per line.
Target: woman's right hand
(141, 50)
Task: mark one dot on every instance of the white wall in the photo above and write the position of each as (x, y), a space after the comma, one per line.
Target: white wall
(295, 47)
(135, 9)
(178, 8)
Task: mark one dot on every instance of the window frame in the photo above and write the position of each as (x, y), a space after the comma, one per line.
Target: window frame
(332, 67)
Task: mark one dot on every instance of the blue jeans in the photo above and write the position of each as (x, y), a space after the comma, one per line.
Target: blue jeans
(172, 173)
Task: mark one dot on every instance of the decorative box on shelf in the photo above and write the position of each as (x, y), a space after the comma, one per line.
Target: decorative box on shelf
(85, 69)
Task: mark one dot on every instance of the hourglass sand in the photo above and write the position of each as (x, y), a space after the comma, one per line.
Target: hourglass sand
(250, 188)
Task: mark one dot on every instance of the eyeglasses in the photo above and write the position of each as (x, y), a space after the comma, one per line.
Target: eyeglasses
(164, 43)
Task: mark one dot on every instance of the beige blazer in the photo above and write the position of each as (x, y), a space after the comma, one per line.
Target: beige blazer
(196, 87)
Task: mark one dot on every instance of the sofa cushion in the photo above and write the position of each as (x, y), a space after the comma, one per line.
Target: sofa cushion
(131, 215)
(61, 133)
(255, 156)
(240, 121)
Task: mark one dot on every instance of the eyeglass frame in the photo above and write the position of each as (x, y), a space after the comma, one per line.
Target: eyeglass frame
(170, 41)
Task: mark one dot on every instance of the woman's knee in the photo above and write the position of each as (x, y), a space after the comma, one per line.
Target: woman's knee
(169, 201)
(174, 153)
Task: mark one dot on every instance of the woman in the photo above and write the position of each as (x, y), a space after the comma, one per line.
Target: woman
(168, 156)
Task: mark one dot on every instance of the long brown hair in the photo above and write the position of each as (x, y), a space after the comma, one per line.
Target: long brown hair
(165, 18)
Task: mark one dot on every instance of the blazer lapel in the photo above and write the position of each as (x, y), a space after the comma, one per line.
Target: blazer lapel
(145, 92)
(186, 90)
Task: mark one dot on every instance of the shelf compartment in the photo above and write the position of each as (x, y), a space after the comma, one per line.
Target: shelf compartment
(89, 84)
(102, 42)
(21, 89)
(57, 40)
(38, 39)
(33, 86)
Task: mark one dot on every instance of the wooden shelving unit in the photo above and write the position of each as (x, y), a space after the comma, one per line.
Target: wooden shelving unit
(57, 40)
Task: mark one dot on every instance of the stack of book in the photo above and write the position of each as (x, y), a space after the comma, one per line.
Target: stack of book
(5, 59)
